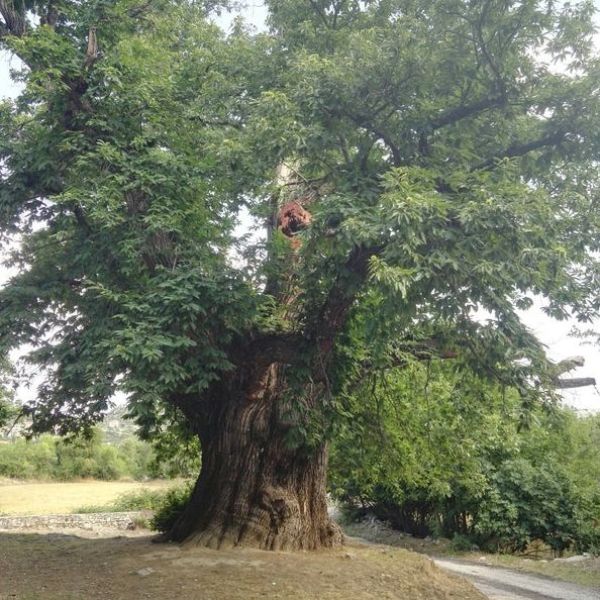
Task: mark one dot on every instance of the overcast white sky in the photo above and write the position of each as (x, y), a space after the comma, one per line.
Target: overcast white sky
(554, 334)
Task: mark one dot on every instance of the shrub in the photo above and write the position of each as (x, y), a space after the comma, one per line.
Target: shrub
(138, 457)
(172, 507)
(144, 499)
(526, 502)
(87, 458)
(587, 515)
(23, 459)
(461, 543)
(166, 504)
(8, 411)
(439, 452)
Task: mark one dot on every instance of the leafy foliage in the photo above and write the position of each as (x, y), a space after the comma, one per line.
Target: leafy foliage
(8, 409)
(172, 506)
(132, 255)
(50, 457)
(528, 502)
(439, 142)
(447, 456)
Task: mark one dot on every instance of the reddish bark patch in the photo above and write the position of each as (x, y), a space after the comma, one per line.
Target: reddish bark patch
(293, 218)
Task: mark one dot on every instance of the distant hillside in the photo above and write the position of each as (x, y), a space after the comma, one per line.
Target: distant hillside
(116, 427)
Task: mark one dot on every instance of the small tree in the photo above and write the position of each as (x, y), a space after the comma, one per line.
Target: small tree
(430, 162)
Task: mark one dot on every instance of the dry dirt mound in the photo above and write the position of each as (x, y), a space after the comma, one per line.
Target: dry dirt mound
(52, 566)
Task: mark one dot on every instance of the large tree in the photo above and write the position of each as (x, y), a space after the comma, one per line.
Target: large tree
(412, 164)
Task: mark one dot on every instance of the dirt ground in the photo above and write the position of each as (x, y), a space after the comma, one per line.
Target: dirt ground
(26, 498)
(62, 566)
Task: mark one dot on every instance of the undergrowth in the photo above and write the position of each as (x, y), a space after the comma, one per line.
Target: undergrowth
(166, 505)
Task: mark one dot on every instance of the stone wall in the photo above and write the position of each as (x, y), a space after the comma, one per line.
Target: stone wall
(116, 520)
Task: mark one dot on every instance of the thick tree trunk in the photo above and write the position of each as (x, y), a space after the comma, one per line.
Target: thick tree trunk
(253, 489)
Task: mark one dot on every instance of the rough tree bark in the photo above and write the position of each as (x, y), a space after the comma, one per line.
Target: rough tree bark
(254, 488)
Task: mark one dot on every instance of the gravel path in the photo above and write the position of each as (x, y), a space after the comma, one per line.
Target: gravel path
(503, 584)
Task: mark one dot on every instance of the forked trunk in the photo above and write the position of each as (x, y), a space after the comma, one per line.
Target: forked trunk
(254, 490)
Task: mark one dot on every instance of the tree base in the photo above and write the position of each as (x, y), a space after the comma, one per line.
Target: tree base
(253, 511)
(254, 489)
(330, 536)
(274, 521)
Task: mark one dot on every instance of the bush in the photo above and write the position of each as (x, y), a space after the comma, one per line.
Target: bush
(172, 506)
(461, 543)
(435, 451)
(132, 501)
(587, 515)
(166, 504)
(8, 411)
(88, 458)
(139, 458)
(23, 459)
(525, 502)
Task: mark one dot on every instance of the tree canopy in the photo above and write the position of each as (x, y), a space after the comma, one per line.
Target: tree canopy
(437, 159)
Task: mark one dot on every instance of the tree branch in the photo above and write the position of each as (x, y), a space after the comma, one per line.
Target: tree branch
(319, 12)
(566, 365)
(334, 312)
(422, 351)
(463, 112)
(396, 156)
(81, 219)
(365, 123)
(575, 382)
(521, 149)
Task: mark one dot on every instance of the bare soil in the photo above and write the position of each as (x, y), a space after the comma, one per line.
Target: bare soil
(63, 566)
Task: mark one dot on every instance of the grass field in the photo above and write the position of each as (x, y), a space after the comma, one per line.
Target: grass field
(59, 498)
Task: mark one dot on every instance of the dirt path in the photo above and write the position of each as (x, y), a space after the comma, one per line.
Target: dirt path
(53, 566)
(504, 584)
